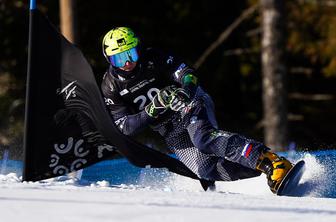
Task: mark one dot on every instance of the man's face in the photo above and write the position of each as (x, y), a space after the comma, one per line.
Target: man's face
(125, 60)
(129, 66)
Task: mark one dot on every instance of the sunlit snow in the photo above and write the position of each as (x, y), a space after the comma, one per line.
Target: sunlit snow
(164, 198)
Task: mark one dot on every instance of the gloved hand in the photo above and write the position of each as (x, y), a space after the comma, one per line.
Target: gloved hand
(160, 102)
(179, 99)
(169, 97)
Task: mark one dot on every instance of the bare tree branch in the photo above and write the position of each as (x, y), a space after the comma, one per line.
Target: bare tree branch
(225, 34)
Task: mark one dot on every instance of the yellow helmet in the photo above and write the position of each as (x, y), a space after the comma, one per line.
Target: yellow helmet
(118, 40)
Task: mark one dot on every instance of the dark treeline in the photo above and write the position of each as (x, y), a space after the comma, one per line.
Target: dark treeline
(231, 73)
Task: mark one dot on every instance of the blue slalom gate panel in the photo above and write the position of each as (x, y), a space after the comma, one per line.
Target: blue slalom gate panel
(11, 166)
(118, 171)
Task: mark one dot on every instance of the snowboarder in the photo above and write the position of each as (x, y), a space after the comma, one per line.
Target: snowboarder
(145, 87)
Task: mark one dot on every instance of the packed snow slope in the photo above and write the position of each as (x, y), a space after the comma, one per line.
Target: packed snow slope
(156, 195)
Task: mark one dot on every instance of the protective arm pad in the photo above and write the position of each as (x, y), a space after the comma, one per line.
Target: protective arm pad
(190, 83)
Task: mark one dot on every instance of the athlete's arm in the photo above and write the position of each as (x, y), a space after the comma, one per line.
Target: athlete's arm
(181, 72)
(128, 122)
(131, 124)
(184, 75)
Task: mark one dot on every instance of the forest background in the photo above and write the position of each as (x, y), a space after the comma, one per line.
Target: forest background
(231, 73)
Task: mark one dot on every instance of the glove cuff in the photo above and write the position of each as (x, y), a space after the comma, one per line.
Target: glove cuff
(152, 111)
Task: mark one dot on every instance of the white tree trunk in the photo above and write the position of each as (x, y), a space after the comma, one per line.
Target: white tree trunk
(274, 74)
(68, 20)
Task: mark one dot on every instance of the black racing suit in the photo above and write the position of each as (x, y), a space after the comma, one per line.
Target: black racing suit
(192, 135)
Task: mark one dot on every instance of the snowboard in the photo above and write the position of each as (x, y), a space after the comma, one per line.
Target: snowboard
(291, 180)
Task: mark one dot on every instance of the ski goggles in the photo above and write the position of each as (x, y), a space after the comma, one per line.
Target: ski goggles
(119, 60)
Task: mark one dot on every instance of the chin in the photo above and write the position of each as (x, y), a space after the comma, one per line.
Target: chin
(128, 69)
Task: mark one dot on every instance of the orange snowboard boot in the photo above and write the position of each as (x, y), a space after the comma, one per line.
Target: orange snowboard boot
(275, 167)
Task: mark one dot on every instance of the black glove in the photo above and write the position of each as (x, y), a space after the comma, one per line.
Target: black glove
(160, 102)
(180, 98)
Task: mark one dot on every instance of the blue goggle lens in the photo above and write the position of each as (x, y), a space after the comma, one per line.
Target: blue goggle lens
(119, 60)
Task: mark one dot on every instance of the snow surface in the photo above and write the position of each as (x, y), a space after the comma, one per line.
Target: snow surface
(172, 199)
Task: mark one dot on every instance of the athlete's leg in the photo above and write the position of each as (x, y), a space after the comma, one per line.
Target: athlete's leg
(206, 136)
(232, 146)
